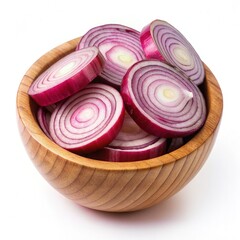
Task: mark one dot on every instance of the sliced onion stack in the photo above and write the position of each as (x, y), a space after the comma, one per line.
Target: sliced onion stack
(120, 46)
(131, 144)
(161, 100)
(123, 95)
(162, 41)
(88, 120)
(67, 76)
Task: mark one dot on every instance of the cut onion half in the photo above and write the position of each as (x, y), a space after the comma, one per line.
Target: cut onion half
(89, 119)
(162, 41)
(120, 46)
(67, 76)
(131, 144)
(162, 100)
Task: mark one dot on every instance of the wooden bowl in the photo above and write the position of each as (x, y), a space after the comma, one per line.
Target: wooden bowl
(111, 186)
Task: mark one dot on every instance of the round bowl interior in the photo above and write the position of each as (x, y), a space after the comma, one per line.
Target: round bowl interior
(114, 186)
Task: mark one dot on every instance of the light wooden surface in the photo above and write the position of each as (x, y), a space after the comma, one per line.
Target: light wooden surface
(114, 187)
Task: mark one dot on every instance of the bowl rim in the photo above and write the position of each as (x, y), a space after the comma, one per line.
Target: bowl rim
(26, 116)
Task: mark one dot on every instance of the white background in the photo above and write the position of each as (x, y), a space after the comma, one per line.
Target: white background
(207, 208)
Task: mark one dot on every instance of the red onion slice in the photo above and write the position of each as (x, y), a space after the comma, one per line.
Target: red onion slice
(131, 144)
(88, 120)
(67, 76)
(43, 117)
(155, 149)
(162, 41)
(161, 100)
(120, 46)
(131, 136)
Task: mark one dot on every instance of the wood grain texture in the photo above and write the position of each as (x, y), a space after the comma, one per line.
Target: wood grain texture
(114, 187)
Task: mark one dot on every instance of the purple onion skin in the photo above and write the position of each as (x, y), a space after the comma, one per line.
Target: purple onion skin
(144, 122)
(119, 155)
(71, 85)
(149, 46)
